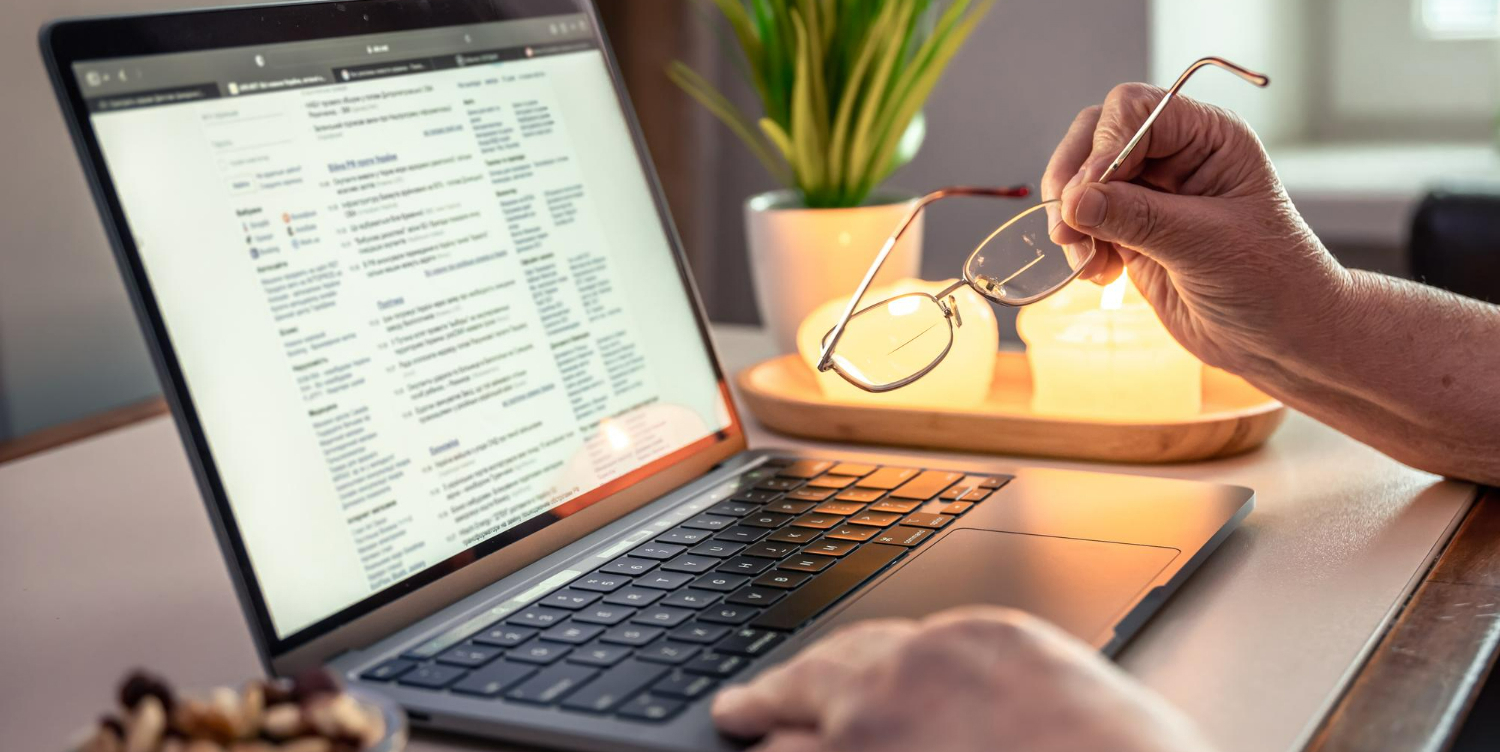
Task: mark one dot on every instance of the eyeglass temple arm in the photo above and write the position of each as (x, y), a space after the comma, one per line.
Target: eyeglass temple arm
(1015, 191)
(1259, 79)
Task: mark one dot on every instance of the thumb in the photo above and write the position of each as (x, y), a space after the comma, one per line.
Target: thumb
(1164, 226)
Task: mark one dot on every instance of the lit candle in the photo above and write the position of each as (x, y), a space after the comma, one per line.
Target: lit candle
(963, 378)
(1102, 354)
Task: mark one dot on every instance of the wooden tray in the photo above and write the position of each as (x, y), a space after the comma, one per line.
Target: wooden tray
(1236, 418)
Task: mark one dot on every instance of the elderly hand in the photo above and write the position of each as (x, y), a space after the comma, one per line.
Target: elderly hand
(1199, 217)
(977, 679)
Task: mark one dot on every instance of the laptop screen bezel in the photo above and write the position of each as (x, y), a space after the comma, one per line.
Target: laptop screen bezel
(82, 40)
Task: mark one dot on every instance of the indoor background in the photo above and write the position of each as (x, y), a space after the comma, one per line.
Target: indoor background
(1374, 102)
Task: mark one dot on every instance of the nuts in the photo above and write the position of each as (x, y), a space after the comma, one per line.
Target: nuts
(311, 714)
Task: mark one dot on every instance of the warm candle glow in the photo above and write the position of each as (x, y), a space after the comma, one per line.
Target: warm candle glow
(961, 381)
(1102, 354)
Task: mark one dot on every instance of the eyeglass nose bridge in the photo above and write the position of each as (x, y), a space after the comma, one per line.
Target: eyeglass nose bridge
(950, 309)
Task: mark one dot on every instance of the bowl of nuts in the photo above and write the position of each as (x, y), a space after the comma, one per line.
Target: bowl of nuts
(311, 713)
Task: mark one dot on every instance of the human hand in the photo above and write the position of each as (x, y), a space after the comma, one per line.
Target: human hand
(1198, 216)
(975, 679)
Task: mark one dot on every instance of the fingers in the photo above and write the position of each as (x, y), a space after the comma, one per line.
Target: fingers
(1167, 227)
(1185, 134)
(800, 692)
(1063, 168)
(790, 741)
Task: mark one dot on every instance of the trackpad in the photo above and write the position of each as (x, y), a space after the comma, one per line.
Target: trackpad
(1082, 586)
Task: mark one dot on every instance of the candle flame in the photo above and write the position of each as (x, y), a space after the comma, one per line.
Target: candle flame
(1114, 294)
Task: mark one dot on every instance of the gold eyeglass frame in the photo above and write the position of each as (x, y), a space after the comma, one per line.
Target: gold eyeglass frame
(950, 307)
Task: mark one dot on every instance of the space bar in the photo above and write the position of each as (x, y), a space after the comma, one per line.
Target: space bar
(834, 583)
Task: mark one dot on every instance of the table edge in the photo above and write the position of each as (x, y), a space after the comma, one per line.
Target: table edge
(57, 436)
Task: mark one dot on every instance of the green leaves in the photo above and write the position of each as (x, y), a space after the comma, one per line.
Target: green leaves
(841, 83)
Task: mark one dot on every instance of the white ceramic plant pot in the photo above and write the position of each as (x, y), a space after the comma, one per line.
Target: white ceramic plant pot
(801, 258)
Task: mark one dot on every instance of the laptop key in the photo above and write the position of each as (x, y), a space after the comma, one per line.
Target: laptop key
(569, 599)
(811, 494)
(614, 687)
(599, 654)
(502, 636)
(780, 579)
(606, 614)
(844, 508)
(742, 534)
(805, 469)
(795, 535)
(859, 533)
(860, 495)
(902, 535)
(874, 519)
(388, 670)
(831, 481)
(541, 653)
(572, 634)
(632, 596)
(699, 633)
(692, 598)
(495, 678)
(828, 547)
(855, 469)
(745, 565)
(733, 508)
(790, 507)
(682, 536)
(691, 563)
(717, 548)
(684, 686)
(664, 580)
(751, 595)
(887, 478)
(818, 521)
(721, 582)
(779, 484)
(431, 676)
(844, 576)
(771, 550)
(552, 684)
(669, 652)
(663, 616)
(469, 656)
(631, 634)
(658, 551)
(750, 641)
(707, 521)
(628, 565)
(649, 707)
(933, 521)
(600, 582)
(729, 614)
(715, 664)
(996, 481)
(952, 508)
(539, 616)
(756, 496)
(766, 519)
(807, 563)
(895, 505)
(927, 485)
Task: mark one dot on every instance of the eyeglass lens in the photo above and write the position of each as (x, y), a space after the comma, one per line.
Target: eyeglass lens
(893, 340)
(1019, 264)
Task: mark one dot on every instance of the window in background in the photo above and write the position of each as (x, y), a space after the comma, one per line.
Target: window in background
(1457, 19)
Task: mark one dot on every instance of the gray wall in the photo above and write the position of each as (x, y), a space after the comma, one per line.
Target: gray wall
(68, 341)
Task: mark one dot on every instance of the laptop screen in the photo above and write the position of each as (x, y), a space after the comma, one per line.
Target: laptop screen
(420, 291)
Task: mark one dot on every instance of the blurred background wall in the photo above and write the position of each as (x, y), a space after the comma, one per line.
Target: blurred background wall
(1373, 101)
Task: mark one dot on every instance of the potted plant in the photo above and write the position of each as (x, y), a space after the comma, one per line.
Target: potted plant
(841, 84)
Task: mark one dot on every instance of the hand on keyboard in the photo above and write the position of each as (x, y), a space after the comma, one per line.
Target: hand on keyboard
(975, 679)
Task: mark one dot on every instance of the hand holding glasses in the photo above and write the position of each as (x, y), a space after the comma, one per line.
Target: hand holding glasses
(890, 344)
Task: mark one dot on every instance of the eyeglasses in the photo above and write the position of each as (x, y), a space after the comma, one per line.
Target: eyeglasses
(890, 344)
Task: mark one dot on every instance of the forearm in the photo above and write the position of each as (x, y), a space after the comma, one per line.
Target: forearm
(1410, 370)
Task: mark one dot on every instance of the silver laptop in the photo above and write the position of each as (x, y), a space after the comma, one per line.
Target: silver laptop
(429, 338)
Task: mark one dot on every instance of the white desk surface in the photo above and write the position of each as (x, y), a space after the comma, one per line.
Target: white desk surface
(107, 561)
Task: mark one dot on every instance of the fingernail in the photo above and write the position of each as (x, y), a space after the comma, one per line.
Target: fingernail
(729, 700)
(1091, 207)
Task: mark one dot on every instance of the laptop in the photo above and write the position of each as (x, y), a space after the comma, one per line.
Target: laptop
(434, 352)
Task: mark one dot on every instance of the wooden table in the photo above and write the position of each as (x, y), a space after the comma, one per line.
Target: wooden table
(107, 561)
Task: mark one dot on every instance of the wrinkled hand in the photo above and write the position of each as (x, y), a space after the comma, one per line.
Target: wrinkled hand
(979, 679)
(1198, 216)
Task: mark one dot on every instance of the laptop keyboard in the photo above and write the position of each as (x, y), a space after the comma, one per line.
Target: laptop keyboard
(663, 624)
